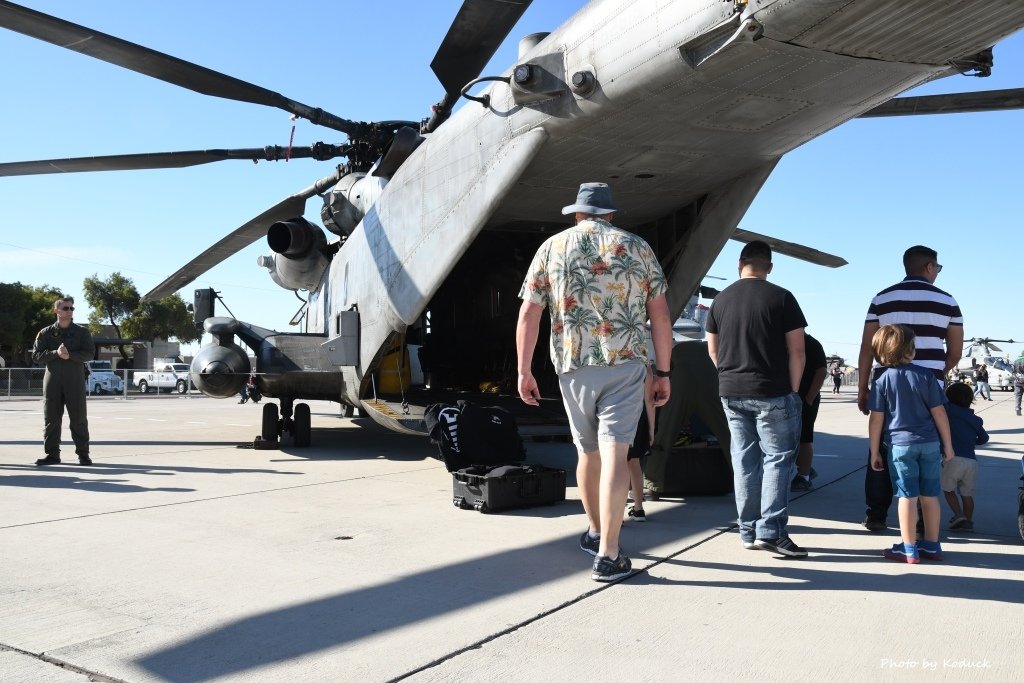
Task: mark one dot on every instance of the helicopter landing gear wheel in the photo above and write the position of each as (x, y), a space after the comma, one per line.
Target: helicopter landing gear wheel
(301, 426)
(271, 427)
(347, 410)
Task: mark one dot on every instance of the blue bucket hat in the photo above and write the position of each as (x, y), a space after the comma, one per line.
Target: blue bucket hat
(593, 198)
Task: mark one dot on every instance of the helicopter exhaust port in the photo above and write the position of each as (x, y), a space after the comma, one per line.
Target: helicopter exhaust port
(301, 254)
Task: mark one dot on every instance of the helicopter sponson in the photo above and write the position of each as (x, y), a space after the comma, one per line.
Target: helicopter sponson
(220, 370)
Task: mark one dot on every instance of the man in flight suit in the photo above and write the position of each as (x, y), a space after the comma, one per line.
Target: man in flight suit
(64, 347)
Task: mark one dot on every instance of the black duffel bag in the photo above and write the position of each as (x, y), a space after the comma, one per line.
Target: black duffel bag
(467, 434)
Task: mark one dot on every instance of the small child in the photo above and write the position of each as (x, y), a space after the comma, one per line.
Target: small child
(641, 446)
(907, 412)
(968, 431)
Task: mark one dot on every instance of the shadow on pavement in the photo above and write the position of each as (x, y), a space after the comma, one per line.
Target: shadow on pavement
(42, 481)
(802, 575)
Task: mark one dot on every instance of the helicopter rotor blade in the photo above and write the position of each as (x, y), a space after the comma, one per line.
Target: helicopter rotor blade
(475, 35)
(953, 103)
(992, 347)
(240, 238)
(162, 66)
(135, 162)
(797, 251)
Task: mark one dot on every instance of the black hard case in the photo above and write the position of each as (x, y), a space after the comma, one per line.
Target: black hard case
(698, 470)
(484, 489)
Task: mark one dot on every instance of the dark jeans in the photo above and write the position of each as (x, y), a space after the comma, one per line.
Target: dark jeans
(878, 488)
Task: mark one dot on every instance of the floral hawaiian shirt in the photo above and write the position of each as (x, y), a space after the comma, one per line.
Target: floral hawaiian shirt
(595, 280)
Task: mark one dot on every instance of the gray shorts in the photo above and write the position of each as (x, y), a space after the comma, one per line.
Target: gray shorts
(603, 403)
(959, 473)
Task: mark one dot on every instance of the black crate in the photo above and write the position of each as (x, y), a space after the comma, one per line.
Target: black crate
(698, 470)
(491, 488)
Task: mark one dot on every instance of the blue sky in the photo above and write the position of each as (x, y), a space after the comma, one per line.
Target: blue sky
(865, 191)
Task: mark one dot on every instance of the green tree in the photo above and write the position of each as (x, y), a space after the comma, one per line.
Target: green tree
(112, 300)
(166, 318)
(24, 310)
(14, 305)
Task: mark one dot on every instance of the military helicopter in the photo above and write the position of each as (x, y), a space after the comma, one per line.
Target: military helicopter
(979, 350)
(685, 107)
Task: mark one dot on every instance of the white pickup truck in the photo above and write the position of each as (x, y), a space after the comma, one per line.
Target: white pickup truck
(102, 378)
(171, 376)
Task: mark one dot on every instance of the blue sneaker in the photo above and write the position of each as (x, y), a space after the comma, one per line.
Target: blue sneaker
(606, 569)
(590, 544)
(930, 550)
(902, 552)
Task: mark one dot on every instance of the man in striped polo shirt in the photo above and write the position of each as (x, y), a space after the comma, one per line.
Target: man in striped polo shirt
(936, 320)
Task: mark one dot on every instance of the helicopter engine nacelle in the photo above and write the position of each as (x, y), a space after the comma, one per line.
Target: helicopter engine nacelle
(339, 214)
(350, 200)
(220, 370)
(300, 254)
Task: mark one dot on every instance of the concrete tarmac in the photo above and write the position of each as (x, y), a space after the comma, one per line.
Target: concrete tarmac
(186, 556)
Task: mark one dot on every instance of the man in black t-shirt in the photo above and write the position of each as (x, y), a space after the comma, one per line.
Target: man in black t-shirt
(755, 333)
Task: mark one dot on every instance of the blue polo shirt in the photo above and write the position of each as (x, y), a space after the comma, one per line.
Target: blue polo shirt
(906, 394)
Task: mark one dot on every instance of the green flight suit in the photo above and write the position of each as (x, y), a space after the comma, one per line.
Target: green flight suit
(694, 385)
(64, 384)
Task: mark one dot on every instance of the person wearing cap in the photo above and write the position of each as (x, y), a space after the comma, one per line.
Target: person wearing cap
(64, 348)
(600, 284)
(755, 332)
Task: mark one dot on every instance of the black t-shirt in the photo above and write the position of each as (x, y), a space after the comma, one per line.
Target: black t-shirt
(815, 359)
(751, 318)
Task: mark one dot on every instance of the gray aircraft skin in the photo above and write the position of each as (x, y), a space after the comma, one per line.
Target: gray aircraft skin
(684, 107)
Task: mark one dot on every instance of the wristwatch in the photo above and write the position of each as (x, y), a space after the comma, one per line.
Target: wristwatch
(662, 373)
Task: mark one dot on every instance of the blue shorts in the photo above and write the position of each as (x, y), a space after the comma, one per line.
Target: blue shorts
(915, 470)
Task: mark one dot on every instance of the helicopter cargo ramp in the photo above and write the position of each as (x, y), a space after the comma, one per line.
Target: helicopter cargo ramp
(403, 413)
(184, 555)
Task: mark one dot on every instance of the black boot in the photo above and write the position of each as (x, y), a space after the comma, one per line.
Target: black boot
(55, 459)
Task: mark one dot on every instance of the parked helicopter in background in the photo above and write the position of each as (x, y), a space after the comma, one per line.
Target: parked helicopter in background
(978, 350)
(684, 107)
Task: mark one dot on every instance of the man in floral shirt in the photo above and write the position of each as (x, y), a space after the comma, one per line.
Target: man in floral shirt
(600, 284)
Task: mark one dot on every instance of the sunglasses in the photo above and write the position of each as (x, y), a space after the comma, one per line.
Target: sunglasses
(67, 308)
(938, 267)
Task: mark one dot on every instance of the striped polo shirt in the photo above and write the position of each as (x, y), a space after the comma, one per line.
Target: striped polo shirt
(927, 310)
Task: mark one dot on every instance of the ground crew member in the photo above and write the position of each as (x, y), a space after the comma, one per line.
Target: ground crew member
(64, 347)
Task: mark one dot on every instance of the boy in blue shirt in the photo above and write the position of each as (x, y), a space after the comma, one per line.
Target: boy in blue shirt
(907, 412)
(968, 431)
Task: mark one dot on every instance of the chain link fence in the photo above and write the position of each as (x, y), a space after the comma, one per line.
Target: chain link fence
(23, 383)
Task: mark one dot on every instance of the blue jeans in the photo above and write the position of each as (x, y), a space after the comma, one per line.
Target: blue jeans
(984, 389)
(765, 436)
